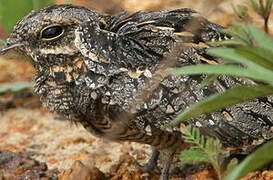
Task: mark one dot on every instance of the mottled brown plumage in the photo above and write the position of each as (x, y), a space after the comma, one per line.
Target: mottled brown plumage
(106, 73)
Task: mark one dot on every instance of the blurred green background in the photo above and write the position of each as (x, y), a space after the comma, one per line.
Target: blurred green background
(12, 10)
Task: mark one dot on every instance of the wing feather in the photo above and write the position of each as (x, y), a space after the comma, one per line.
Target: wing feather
(143, 38)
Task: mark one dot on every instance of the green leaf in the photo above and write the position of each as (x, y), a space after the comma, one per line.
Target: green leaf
(228, 42)
(213, 146)
(203, 150)
(247, 36)
(219, 101)
(256, 160)
(239, 34)
(231, 54)
(213, 150)
(257, 55)
(193, 156)
(15, 87)
(209, 79)
(233, 70)
(261, 38)
(234, 54)
(233, 163)
(192, 135)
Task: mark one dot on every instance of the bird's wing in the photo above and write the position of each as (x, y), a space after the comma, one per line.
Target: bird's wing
(183, 20)
(143, 38)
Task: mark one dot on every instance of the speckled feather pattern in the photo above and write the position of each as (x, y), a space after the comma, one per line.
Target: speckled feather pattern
(95, 71)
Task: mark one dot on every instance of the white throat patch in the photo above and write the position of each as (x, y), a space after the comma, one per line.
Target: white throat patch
(59, 50)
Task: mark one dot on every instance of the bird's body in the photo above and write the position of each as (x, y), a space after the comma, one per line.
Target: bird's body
(106, 72)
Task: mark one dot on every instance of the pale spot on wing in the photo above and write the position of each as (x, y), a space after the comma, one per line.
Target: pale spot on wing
(227, 116)
(94, 95)
(211, 122)
(169, 109)
(198, 124)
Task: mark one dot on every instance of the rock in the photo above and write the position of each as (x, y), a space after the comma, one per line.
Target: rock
(17, 166)
(128, 169)
(82, 172)
(259, 175)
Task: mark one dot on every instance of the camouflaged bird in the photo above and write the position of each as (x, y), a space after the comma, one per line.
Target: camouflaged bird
(92, 69)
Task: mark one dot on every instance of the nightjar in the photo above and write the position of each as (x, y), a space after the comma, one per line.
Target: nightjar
(93, 69)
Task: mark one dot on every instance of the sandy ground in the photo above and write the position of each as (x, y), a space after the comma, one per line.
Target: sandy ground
(59, 142)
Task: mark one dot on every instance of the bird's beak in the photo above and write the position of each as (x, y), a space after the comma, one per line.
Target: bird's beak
(9, 47)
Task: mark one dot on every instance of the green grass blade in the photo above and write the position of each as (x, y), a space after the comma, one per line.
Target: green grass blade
(260, 56)
(231, 54)
(209, 79)
(261, 38)
(219, 101)
(239, 34)
(232, 70)
(256, 160)
(228, 42)
(233, 163)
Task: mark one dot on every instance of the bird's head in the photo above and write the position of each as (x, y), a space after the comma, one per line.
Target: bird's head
(48, 32)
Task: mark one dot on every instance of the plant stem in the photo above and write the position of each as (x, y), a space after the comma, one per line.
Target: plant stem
(266, 25)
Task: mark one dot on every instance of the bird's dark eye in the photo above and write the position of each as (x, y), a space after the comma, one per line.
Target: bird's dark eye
(52, 32)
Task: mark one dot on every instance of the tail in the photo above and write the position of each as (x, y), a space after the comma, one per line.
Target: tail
(120, 131)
